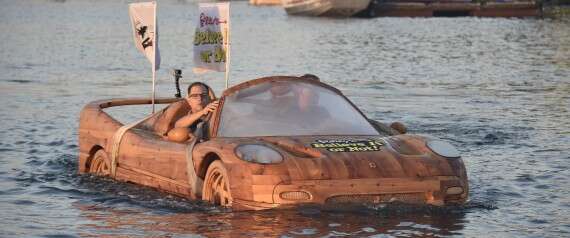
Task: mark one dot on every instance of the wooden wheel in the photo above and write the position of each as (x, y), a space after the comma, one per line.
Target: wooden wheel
(217, 185)
(100, 164)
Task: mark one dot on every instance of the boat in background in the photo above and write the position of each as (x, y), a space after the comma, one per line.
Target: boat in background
(336, 8)
(265, 2)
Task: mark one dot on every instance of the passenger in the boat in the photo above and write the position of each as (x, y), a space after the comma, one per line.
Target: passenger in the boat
(285, 96)
(308, 106)
(198, 100)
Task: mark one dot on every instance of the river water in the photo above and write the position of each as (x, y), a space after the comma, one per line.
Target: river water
(498, 89)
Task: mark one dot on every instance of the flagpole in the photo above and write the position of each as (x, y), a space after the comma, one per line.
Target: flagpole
(153, 83)
(228, 48)
(155, 44)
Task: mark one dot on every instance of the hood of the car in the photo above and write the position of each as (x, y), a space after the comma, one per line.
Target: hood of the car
(354, 157)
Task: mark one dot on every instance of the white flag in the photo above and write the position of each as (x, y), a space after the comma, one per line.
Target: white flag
(211, 38)
(145, 30)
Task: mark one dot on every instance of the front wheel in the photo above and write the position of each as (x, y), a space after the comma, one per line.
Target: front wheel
(217, 185)
(100, 165)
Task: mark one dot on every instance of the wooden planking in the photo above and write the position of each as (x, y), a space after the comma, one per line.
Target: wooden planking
(321, 190)
(152, 181)
(348, 165)
(392, 166)
(433, 161)
(150, 153)
(240, 181)
(268, 179)
(157, 177)
(375, 164)
(263, 193)
(165, 167)
(418, 163)
(147, 159)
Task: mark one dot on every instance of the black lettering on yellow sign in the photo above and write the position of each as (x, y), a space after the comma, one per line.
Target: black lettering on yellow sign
(349, 145)
(217, 55)
(205, 56)
(208, 38)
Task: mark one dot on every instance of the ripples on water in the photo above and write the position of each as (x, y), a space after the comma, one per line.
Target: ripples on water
(496, 88)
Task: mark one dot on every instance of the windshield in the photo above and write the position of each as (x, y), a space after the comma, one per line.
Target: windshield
(290, 108)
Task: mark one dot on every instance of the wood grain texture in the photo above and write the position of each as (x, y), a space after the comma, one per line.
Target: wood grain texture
(372, 168)
(144, 157)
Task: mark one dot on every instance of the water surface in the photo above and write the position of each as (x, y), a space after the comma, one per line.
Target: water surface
(498, 89)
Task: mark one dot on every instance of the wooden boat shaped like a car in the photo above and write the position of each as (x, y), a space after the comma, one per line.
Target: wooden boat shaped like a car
(274, 142)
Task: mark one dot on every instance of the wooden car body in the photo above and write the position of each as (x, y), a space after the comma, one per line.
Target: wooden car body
(312, 166)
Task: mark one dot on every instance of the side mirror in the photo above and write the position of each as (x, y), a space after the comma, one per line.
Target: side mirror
(399, 127)
(383, 128)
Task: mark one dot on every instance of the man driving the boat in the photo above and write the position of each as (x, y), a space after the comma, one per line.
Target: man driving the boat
(199, 107)
(308, 108)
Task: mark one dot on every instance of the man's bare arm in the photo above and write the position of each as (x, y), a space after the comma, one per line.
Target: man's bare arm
(189, 119)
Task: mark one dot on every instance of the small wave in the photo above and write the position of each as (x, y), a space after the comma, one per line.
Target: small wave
(111, 69)
(34, 161)
(71, 146)
(113, 200)
(491, 139)
(20, 81)
(559, 166)
(12, 191)
(545, 176)
(26, 180)
(404, 208)
(525, 178)
(55, 143)
(49, 128)
(33, 151)
(539, 221)
(535, 90)
(305, 232)
(65, 161)
(60, 236)
(542, 186)
(119, 193)
(547, 150)
(513, 194)
(22, 202)
(56, 190)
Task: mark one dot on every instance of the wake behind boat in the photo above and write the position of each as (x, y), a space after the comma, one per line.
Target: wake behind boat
(337, 8)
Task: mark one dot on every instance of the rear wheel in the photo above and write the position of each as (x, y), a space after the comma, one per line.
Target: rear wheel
(100, 165)
(217, 186)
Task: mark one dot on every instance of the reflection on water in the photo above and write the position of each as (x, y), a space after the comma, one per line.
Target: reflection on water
(124, 209)
(284, 223)
(498, 89)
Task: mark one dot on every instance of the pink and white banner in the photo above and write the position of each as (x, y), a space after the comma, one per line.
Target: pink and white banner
(211, 38)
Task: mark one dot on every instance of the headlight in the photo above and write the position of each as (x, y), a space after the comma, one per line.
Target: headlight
(443, 148)
(258, 154)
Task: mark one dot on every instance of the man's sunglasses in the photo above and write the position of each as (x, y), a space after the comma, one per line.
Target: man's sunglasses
(198, 95)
